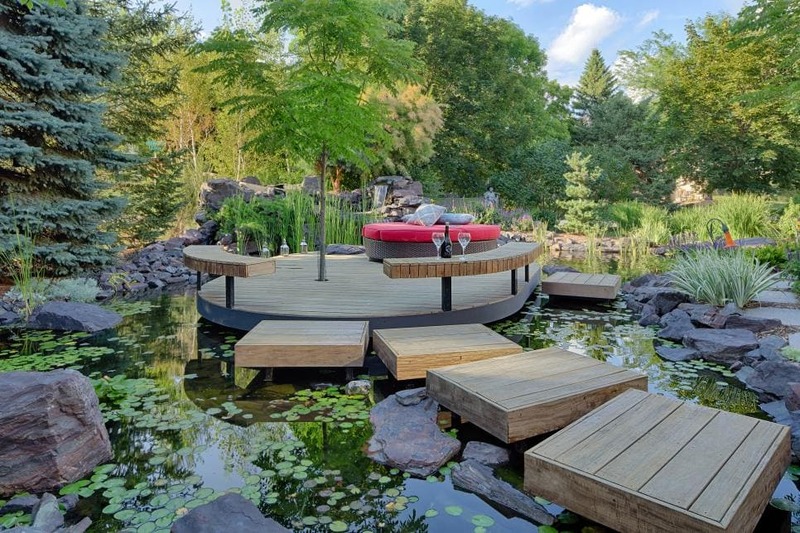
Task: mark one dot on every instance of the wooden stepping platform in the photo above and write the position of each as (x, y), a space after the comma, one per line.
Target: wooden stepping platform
(303, 343)
(577, 285)
(519, 396)
(643, 462)
(409, 352)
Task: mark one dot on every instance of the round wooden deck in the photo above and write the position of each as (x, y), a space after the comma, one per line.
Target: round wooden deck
(357, 289)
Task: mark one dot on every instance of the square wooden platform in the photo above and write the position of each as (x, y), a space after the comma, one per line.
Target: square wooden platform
(643, 462)
(577, 285)
(302, 343)
(520, 396)
(409, 352)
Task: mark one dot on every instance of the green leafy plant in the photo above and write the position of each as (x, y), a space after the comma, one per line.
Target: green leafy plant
(774, 256)
(20, 264)
(721, 276)
(791, 353)
(582, 212)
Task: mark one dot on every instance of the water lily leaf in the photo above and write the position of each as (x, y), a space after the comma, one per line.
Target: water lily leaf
(453, 510)
(482, 520)
(159, 500)
(147, 527)
(546, 529)
(338, 525)
(785, 504)
(112, 508)
(430, 513)
(392, 493)
(124, 515)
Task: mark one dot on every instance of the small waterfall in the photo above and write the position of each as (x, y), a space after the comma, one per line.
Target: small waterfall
(379, 195)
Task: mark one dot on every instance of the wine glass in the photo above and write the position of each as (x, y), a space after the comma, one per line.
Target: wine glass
(438, 239)
(463, 239)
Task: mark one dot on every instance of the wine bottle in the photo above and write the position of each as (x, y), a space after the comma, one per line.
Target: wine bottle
(447, 245)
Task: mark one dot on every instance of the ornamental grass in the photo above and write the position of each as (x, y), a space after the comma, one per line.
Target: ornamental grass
(718, 277)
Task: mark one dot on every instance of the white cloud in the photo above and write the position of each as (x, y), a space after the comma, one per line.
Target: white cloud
(647, 18)
(589, 25)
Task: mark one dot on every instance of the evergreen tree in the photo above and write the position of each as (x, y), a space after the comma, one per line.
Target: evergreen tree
(581, 211)
(596, 85)
(52, 64)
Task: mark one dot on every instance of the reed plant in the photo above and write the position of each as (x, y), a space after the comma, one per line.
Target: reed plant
(747, 215)
(653, 226)
(721, 276)
(626, 216)
(20, 264)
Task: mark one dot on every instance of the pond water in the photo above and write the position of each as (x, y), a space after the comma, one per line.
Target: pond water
(183, 432)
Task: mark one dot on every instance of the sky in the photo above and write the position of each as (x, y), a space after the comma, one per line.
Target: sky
(567, 30)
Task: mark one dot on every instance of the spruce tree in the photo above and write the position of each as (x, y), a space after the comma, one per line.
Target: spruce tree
(581, 211)
(596, 85)
(52, 141)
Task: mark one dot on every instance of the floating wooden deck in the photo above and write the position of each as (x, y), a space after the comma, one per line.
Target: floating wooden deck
(409, 352)
(643, 462)
(577, 285)
(357, 289)
(520, 396)
(286, 343)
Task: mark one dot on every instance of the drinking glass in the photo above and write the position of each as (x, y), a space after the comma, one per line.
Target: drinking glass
(438, 239)
(463, 239)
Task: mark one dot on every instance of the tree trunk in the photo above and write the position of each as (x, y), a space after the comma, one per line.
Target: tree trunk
(323, 163)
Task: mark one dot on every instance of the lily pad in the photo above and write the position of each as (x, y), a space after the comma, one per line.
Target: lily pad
(481, 520)
(338, 525)
(453, 510)
(430, 513)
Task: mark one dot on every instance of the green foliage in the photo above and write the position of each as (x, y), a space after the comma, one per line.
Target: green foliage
(581, 212)
(774, 256)
(788, 224)
(747, 215)
(724, 118)
(20, 263)
(625, 216)
(653, 227)
(54, 141)
(596, 85)
(721, 276)
(489, 77)
(535, 179)
(791, 353)
(153, 190)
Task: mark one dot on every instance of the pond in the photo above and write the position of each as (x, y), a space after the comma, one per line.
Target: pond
(183, 432)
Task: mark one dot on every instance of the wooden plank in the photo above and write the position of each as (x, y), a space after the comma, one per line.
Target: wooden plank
(699, 469)
(280, 343)
(520, 396)
(214, 260)
(409, 352)
(575, 285)
(508, 257)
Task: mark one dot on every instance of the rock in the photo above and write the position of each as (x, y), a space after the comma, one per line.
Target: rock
(408, 437)
(344, 249)
(80, 527)
(73, 316)
(310, 184)
(321, 386)
(721, 345)
(53, 432)
(666, 300)
(213, 193)
(230, 512)
(770, 347)
(8, 317)
(485, 453)
(253, 180)
(410, 397)
(47, 516)
(358, 386)
(792, 398)
(674, 325)
(25, 503)
(478, 478)
(552, 269)
(650, 316)
(704, 315)
(772, 377)
(69, 502)
(641, 281)
(754, 324)
(676, 354)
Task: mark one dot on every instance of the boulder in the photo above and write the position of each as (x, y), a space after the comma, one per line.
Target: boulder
(73, 316)
(642, 281)
(754, 324)
(649, 315)
(23, 502)
(676, 354)
(213, 193)
(721, 345)
(552, 269)
(792, 398)
(674, 325)
(475, 477)
(667, 299)
(47, 516)
(229, 512)
(8, 317)
(485, 453)
(53, 432)
(407, 437)
(411, 396)
(704, 315)
(358, 386)
(773, 377)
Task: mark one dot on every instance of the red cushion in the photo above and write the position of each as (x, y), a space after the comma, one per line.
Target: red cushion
(401, 232)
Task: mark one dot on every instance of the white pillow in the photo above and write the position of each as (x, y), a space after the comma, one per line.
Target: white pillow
(456, 219)
(426, 215)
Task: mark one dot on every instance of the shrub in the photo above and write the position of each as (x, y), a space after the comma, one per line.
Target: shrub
(721, 276)
(775, 256)
(787, 225)
(653, 226)
(626, 215)
(747, 215)
(581, 211)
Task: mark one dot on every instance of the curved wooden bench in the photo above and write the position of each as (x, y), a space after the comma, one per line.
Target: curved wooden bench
(214, 260)
(511, 256)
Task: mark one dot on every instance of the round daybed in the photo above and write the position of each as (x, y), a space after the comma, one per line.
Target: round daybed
(398, 239)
